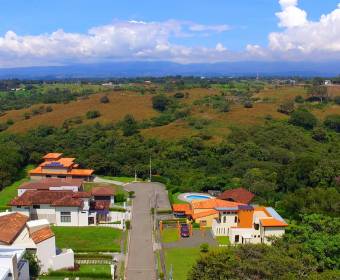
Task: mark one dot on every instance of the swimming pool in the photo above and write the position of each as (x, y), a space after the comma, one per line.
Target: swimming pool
(192, 197)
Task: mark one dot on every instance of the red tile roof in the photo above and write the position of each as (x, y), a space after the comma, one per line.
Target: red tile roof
(52, 156)
(204, 214)
(103, 191)
(45, 184)
(81, 195)
(42, 235)
(238, 195)
(11, 226)
(101, 204)
(55, 198)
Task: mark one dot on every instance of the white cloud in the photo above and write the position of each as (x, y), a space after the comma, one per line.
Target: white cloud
(307, 37)
(220, 48)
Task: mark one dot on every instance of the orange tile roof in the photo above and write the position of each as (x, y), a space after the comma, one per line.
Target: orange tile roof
(52, 156)
(102, 191)
(185, 208)
(204, 214)
(65, 162)
(11, 226)
(75, 172)
(213, 203)
(271, 222)
(42, 235)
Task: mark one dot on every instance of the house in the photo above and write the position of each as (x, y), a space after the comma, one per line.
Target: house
(62, 208)
(66, 207)
(237, 195)
(328, 82)
(202, 211)
(56, 166)
(13, 266)
(248, 224)
(16, 231)
(75, 185)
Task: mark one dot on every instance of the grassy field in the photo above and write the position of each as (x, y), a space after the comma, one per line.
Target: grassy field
(88, 239)
(86, 271)
(121, 179)
(121, 103)
(9, 192)
(176, 200)
(170, 235)
(181, 259)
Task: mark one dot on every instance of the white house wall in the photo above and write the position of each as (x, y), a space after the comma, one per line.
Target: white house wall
(74, 216)
(63, 260)
(45, 251)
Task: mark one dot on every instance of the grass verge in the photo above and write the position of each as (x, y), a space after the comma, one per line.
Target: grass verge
(223, 240)
(169, 235)
(86, 271)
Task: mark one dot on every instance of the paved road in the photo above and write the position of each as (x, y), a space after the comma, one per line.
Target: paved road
(141, 261)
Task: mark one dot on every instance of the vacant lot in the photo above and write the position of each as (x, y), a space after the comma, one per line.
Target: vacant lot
(88, 239)
(86, 271)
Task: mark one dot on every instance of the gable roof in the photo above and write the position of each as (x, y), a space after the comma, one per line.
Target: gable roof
(42, 235)
(204, 214)
(11, 226)
(238, 195)
(213, 203)
(55, 198)
(185, 208)
(46, 184)
(102, 191)
(52, 156)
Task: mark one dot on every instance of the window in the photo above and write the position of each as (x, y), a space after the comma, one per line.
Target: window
(224, 219)
(256, 226)
(65, 217)
(237, 238)
(235, 219)
(36, 206)
(48, 176)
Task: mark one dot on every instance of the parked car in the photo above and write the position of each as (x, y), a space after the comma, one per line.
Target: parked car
(185, 230)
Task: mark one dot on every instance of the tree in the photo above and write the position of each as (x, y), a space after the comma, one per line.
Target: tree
(303, 118)
(129, 125)
(319, 92)
(104, 99)
(299, 99)
(333, 122)
(287, 107)
(160, 102)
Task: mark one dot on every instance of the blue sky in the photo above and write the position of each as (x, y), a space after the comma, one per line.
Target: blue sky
(239, 30)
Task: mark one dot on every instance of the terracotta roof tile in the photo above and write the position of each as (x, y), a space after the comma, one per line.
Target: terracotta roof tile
(185, 208)
(56, 198)
(11, 226)
(42, 235)
(52, 156)
(103, 191)
(204, 214)
(271, 222)
(45, 184)
(213, 203)
(238, 195)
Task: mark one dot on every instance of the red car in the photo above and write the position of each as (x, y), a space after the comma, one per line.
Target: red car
(185, 230)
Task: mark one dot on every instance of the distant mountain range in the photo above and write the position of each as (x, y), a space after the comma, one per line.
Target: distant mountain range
(139, 69)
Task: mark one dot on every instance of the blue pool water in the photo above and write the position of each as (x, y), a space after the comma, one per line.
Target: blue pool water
(197, 197)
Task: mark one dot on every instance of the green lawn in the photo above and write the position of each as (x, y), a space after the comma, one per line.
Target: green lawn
(223, 240)
(170, 235)
(121, 179)
(176, 200)
(88, 239)
(181, 259)
(9, 192)
(86, 271)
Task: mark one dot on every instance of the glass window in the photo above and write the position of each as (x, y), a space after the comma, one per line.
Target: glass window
(36, 206)
(256, 226)
(237, 238)
(65, 217)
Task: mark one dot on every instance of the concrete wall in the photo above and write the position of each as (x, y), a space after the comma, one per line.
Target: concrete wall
(45, 251)
(207, 219)
(83, 219)
(272, 232)
(63, 260)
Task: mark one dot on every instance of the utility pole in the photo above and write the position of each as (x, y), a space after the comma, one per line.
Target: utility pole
(135, 175)
(150, 170)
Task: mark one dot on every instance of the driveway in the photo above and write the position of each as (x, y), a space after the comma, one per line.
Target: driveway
(141, 261)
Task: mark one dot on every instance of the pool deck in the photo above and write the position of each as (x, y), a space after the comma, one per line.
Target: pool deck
(183, 196)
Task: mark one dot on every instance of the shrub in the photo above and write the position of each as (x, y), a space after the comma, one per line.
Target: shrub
(179, 95)
(104, 99)
(120, 197)
(10, 122)
(33, 264)
(117, 209)
(27, 115)
(160, 102)
(303, 118)
(127, 224)
(319, 134)
(49, 109)
(204, 248)
(299, 99)
(131, 194)
(129, 125)
(337, 100)
(248, 104)
(3, 126)
(92, 114)
(333, 122)
(287, 107)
